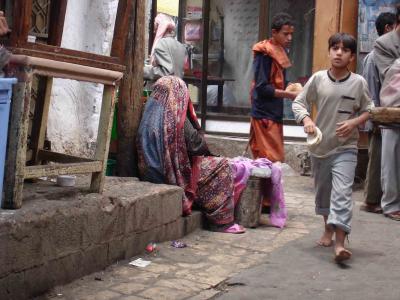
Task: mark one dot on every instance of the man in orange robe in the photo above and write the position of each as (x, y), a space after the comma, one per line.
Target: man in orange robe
(268, 91)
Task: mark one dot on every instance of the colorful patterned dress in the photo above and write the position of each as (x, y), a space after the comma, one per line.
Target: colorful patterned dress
(166, 154)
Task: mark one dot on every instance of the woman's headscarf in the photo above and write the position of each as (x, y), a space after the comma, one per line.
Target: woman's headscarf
(164, 25)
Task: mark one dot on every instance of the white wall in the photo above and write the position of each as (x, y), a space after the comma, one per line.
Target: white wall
(75, 106)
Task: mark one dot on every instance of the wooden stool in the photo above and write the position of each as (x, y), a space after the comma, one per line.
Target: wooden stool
(16, 170)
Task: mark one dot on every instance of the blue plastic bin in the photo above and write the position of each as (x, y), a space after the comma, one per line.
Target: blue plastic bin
(5, 100)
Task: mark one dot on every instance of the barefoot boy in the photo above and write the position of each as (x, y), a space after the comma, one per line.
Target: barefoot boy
(342, 101)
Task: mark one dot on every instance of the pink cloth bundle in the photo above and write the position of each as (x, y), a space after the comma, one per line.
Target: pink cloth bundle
(242, 167)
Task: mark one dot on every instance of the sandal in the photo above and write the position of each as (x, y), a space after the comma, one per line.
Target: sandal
(235, 229)
(394, 215)
(372, 208)
(343, 255)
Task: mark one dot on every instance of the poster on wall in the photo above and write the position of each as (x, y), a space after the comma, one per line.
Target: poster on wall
(369, 10)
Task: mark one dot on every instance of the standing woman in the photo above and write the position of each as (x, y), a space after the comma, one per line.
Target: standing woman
(172, 151)
(168, 55)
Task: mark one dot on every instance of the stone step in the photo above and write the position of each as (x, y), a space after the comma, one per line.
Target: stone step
(61, 234)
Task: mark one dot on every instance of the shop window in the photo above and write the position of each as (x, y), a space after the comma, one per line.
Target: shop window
(40, 18)
(302, 46)
(234, 29)
(368, 12)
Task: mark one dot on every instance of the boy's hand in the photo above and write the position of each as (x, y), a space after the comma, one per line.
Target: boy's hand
(345, 128)
(309, 126)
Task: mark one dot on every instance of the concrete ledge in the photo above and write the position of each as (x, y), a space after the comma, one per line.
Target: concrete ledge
(61, 234)
(234, 146)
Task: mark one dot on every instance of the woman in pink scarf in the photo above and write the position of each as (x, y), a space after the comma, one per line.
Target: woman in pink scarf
(168, 55)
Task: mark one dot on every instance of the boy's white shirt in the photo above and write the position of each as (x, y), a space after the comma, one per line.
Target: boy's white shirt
(335, 101)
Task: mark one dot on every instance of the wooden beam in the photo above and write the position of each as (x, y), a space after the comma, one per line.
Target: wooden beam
(204, 74)
(39, 122)
(62, 169)
(181, 15)
(51, 68)
(61, 157)
(103, 137)
(327, 16)
(153, 14)
(386, 114)
(130, 93)
(263, 20)
(58, 9)
(22, 12)
(70, 56)
(326, 23)
(349, 22)
(16, 145)
(124, 14)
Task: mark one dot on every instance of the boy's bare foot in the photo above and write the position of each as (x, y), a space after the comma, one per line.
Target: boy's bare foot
(342, 254)
(325, 240)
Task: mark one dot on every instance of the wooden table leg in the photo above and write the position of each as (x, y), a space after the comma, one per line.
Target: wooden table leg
(39, 125)
(103, 137)
(16, 146)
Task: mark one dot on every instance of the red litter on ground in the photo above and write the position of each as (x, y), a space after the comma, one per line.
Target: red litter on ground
(151, 247)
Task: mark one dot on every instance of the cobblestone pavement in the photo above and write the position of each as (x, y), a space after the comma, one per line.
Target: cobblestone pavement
(199, 271)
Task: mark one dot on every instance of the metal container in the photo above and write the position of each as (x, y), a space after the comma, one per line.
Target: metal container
(66, 180)
(5, 101)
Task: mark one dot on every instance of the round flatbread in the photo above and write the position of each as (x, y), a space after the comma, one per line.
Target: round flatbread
(294, 87)
(314, 139)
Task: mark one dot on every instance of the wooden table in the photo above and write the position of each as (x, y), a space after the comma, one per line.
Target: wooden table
(16, 170)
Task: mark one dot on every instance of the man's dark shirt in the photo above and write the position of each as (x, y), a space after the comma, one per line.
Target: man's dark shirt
(265, 105)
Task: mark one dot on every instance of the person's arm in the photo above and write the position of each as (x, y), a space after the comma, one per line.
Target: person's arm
(285, 94)
(195, 142)
(263, 85)
(302, 105)
(262, 70)
(5, 55)
(385, 53)
(371, 75)
(3, 24)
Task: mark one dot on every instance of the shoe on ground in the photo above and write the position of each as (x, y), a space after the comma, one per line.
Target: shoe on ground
(371, 208)
(393, 215)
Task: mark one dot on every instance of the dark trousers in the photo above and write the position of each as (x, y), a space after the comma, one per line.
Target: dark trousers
(373, 188)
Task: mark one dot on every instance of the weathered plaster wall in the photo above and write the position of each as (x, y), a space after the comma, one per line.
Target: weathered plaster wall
(75, 106)
(241, 32)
